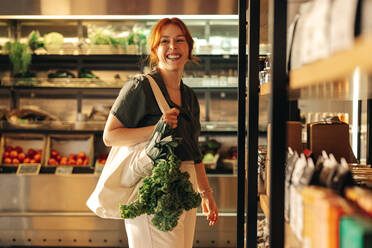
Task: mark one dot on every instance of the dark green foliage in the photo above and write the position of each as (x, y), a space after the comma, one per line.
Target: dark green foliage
(19, 56)
(165, 193)
(34, 41)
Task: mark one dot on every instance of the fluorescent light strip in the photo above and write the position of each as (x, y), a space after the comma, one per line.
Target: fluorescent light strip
(354, 128)
(116, 17)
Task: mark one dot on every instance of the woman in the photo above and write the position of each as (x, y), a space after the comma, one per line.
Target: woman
(133, 118)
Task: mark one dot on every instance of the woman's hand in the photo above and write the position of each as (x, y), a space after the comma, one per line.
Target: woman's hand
(210, 208)
(171, 117)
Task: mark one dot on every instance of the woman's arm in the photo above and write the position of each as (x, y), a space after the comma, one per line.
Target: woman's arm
(208, 203)
(115, 134)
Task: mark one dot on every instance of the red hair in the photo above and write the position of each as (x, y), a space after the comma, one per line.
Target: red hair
(154, 39)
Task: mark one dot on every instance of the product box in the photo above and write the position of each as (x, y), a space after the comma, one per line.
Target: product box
(332, 137)
(70, 150)
(20, 148)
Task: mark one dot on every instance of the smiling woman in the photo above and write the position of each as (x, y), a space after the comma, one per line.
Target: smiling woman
(134, 116)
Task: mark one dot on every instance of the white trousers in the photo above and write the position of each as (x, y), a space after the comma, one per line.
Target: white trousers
(143, 234)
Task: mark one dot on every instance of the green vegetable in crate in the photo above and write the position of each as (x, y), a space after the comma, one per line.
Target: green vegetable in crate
(34, 41)
(165, 193)
(19, 56)
(53, 39)
(83, 73)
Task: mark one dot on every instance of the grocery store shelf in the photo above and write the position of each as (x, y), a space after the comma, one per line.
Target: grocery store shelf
(338, 66)
(76, 85)
(264, 203)
(96, 127)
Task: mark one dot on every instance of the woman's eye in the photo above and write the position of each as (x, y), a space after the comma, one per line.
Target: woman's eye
(180, 40)
(164, 41)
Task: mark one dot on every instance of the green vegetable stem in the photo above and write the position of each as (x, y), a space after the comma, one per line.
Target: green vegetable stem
(165, 194)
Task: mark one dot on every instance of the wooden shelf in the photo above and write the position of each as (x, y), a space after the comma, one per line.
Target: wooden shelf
(338, 66)
(264, 203)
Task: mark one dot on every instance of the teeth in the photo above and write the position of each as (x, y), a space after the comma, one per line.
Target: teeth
(173, 56)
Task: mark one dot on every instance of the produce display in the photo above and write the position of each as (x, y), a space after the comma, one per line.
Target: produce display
(232, 153)
(101, 160)
(84, 73)
(20, 57)
(209, 150)
(29, 117)
(34, 40)
(80, 159)
(16, 155)
(61, 74)
(53, 40)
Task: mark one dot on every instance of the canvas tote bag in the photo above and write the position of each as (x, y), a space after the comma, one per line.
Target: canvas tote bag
(123, 172)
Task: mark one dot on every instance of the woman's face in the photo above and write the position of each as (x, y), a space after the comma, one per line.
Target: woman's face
(173, 49)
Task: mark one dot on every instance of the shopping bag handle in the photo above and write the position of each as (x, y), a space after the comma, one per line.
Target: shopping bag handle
(163, 105)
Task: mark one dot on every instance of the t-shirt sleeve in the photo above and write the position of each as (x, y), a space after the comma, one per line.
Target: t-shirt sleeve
(130, 106)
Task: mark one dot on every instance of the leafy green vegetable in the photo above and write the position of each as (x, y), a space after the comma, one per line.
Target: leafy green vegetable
(165, 193)
(53, 39)
(83, 73)
(34, 41)
(105, 36)
(19, 56)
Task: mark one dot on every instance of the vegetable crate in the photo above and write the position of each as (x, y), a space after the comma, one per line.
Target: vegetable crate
(70, 150)
(22, 148)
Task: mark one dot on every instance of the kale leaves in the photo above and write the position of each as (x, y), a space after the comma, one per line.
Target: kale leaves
(166, 193)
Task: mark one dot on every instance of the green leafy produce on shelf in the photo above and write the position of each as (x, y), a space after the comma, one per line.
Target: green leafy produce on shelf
(53, 39)
(105, 36)
(210, 146)
(34, 40)
(19, 56)
(83, 73)
(208, 158)
(165, 193)
(100, 38)
(119, 41)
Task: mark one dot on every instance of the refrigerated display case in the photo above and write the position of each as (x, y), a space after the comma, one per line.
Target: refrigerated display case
(83, 75)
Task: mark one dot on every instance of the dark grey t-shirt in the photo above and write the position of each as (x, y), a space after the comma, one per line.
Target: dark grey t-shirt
(136, 106)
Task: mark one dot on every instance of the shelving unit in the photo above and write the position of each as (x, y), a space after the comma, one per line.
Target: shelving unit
(328, 79)
(338, 66)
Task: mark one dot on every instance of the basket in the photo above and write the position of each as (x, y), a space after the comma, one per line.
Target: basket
(26, 142)
(72, 144)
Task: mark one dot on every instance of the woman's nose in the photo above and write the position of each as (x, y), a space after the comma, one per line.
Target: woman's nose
(172, 44)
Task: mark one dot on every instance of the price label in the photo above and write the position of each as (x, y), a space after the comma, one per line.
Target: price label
(98, 168)
(28, 169)
(64, 170)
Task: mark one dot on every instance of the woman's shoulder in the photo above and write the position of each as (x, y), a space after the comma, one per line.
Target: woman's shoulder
(137, 80)
(135, 83)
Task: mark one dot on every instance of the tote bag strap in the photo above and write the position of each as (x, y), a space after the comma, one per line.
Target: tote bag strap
(163, 105)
